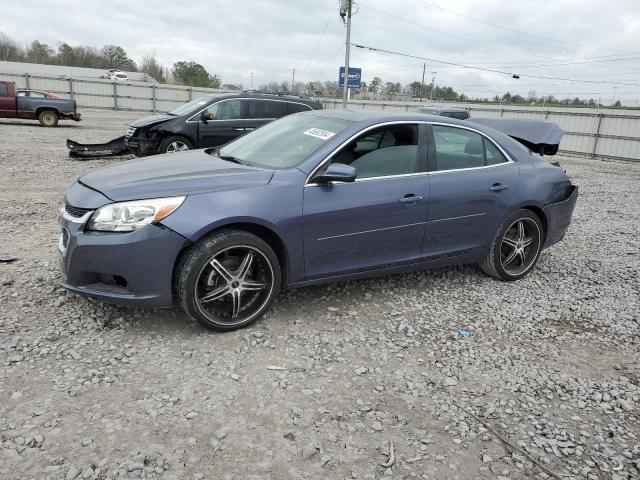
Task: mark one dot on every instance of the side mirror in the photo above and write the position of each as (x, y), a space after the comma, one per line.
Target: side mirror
(337, 172)
(206, 116)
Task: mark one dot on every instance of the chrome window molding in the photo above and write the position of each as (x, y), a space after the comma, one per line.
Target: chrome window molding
(408, 122)
(190, 119)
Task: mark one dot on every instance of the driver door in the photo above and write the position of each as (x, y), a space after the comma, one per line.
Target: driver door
(226, 124)
(377, 221)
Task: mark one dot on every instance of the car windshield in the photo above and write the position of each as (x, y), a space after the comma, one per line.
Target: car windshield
(191, 106)
(284, 143)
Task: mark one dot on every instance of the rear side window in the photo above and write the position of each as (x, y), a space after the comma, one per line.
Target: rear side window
(297, 107)
(4, 91)
(266, 109)
(457, 148)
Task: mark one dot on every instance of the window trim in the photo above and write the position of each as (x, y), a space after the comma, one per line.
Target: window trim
(190, 119)
(357, 134)
(483, 135)
(429, 133)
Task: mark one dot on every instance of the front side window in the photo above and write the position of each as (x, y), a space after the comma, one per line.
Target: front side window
(225, 110)
(457, 148)
(284, 143)
(20, 94)
(3, 90)
(265, 109)
(37, 95)
(385, 151)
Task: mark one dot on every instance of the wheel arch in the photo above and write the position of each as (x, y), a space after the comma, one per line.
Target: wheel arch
(260, 230)
(39, 110)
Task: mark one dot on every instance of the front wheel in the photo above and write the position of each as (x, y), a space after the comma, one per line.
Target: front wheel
(228, 280)
(175, 144)
(515, 247)
(48, 118)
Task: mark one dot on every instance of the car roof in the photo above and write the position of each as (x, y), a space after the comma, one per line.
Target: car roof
(258, 95)
(441, 108)
(365, 117)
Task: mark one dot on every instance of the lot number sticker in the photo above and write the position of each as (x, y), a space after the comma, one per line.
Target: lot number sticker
(319, 133)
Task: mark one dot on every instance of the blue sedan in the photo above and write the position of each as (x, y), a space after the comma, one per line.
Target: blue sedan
(314, 197)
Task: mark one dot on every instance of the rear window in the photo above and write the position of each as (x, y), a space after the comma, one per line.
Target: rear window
(4, 91)
(266, 109)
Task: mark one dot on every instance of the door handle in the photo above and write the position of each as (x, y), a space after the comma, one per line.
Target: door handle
(410, 199)
(238, 129)
(498, 187)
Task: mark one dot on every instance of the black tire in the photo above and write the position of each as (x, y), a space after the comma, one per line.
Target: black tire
(197, 278)
(175, 143)
(509, 256)
(48, 118)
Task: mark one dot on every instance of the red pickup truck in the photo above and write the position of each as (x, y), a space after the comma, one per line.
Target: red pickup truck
(46, 107)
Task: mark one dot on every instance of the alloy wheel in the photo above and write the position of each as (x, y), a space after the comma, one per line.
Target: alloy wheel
(234, 285)
(520, 246)
(48, 119)
(177, 146)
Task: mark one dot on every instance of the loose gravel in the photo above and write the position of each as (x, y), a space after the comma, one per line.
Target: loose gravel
(364, 380)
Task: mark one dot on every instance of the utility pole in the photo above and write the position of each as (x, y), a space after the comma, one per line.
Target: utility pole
(345, 11)
(293, 80)
(424, 67)
(433, 85)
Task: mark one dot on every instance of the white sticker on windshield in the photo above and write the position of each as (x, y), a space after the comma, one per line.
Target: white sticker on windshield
(319, 133)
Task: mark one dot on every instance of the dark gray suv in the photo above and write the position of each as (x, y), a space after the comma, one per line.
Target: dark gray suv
(211, 121)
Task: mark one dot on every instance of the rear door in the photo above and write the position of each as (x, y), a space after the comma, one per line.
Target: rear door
(226, 122)
(472, 184)
(261, 111)
(7, 101)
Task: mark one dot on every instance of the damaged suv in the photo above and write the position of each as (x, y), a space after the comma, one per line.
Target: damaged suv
(210, 121)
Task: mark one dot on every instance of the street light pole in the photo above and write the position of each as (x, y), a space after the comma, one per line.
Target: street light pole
(433, 85)
(346, 5)
(424, 67)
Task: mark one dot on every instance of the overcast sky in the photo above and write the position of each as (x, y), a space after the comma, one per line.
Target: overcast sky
(271, 37)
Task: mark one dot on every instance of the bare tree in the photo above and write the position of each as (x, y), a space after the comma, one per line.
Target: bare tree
(10, 51)
(151, 67)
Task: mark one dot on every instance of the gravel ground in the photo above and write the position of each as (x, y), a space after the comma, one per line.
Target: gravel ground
(547, 384)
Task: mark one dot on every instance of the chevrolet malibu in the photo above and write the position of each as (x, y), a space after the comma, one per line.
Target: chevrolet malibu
(314, 197)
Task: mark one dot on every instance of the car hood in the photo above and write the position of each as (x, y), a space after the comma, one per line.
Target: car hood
(173, 174)
(152, 120)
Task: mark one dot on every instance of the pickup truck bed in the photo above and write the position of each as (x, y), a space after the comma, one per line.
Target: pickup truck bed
(35, 105)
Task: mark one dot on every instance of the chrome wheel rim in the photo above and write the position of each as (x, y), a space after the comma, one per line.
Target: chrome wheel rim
(234, 285)
(47, 118)
(177, 146)
(520, 246)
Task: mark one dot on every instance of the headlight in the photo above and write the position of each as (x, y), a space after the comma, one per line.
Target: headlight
(130, 216)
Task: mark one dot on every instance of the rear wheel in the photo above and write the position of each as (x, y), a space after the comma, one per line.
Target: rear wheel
(515, 248)
(175, 144)
(228, 280)
(48, 118)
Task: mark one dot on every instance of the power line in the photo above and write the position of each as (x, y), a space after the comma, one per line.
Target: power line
(469, 17)
(501, 72)
(476, 42)
(315, 49)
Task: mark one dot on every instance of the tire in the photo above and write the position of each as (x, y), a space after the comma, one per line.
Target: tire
(175, 144)
(238, 289)
(515, 248)
(48, 118)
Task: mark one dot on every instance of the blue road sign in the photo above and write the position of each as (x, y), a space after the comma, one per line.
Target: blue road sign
(355, 76)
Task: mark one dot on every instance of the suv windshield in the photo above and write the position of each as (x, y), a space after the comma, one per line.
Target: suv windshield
(284, 143)
(190, 106)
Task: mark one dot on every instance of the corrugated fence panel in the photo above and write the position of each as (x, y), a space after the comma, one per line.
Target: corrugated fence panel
(620, 126)
(618, 148)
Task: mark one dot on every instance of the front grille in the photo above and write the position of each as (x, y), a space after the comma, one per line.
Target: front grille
(76, 212)
(130, 132)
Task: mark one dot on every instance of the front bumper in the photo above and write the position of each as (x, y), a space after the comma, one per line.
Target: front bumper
(140, 147)
(132, 269)
(558, 217)
(72, 115)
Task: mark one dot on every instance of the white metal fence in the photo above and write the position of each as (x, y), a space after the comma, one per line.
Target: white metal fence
(608, 134)
(600, 134)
